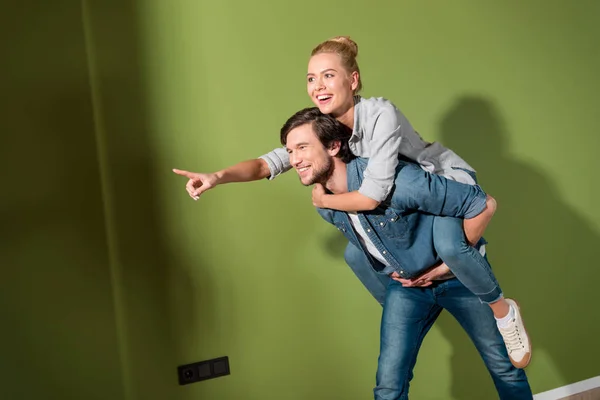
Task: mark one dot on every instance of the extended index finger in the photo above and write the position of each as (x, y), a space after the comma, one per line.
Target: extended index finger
(187, 174)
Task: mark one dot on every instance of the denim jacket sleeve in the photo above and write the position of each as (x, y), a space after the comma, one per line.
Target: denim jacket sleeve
(420, 190)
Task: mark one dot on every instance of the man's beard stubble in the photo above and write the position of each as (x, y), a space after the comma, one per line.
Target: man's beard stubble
(321, 175)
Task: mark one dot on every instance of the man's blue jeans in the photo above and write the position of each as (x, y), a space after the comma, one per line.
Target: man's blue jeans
(409, 313)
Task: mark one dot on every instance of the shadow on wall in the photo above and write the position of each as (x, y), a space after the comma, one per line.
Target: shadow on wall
(59, 330)
(541, 250)
(58, 334)
(154, 284)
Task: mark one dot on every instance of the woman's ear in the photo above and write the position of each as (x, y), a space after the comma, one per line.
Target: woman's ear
(354, 78)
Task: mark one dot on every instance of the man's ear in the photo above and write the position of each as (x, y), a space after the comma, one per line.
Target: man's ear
(334, 148)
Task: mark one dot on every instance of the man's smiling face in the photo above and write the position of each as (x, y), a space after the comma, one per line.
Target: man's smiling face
(308, 156)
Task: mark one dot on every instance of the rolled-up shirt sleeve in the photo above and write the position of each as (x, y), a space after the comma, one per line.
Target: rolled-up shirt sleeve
(420, 190)
(278, 161)
(383, 159)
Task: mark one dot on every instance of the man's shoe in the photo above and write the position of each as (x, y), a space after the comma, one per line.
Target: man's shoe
(516, 339)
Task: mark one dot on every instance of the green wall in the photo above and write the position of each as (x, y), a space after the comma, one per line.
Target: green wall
(58, 332)
(108, 247)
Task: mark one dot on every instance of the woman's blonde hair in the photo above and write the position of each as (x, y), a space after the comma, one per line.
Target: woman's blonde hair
(346, 49)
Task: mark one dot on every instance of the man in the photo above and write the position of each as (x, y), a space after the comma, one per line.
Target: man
(396, 239)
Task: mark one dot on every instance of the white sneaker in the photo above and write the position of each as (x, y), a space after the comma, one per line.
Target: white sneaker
(516, 339)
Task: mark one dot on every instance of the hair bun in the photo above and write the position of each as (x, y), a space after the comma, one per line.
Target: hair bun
(347, 51)
(351, 44)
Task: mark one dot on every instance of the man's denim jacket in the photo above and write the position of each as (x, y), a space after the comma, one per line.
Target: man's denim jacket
(401, 228)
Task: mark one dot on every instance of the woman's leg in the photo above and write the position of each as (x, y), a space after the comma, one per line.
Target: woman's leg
(465, 261)
(472, 269)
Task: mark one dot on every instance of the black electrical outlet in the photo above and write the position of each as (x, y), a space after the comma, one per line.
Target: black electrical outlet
(203, 370)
